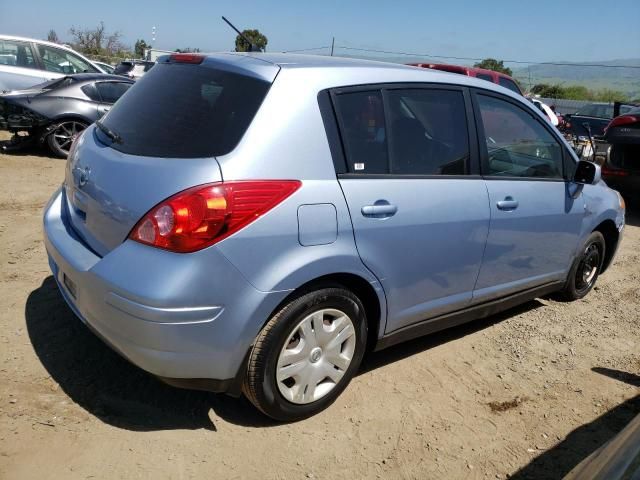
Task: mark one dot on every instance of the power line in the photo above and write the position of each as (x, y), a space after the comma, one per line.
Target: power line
(307, 49)
(388, 52)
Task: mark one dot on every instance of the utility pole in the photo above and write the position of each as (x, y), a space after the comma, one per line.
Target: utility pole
(333, 41)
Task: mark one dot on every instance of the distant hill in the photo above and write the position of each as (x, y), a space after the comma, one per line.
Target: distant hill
(626, 80)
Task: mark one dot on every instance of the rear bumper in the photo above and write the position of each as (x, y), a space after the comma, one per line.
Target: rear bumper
(188, 319)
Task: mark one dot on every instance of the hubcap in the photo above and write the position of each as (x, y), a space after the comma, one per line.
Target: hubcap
(66, 133)
(315, 356)
(588, 268)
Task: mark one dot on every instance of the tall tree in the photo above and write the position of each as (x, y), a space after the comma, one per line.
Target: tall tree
(257, 39)
(52, 36)
(140, 47)
(495, 65)
(96, 41)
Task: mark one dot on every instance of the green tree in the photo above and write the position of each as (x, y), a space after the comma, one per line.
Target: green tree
(608, 95)
(495, 65)
(258, 41)
(139, 48)
(548, 91)
(52, 36)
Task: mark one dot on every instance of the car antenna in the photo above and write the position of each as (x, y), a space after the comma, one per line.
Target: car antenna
(252, 46)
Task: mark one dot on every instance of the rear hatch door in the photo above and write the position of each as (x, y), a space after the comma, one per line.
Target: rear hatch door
(160, 138)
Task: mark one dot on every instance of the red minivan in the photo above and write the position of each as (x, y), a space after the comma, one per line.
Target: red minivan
(489, 75)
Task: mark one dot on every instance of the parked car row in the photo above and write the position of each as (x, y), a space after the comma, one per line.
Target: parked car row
(55, 112)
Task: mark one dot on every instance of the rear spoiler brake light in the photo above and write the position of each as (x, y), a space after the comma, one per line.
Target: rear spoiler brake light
(186, 58)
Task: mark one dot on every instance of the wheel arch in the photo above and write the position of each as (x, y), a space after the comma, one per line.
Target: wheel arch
(611, 237)
(373, 301)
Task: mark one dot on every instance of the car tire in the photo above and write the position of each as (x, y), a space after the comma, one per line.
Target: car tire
(63, 134)
(319, 338)
(586, 268)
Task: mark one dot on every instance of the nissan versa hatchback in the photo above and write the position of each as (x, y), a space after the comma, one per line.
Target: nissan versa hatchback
(253, 223)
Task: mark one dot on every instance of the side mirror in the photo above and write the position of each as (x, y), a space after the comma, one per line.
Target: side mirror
(587, 173)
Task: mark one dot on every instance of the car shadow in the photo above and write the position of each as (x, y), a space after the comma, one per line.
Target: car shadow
(30, 149)
(633, 209)
(586, 439)
(407, 349)
(120, 394)
(108, 386)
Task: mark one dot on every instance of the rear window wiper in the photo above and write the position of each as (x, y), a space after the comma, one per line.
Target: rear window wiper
(109, 133)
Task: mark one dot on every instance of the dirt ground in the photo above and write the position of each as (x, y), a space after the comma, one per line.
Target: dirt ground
(526, 394)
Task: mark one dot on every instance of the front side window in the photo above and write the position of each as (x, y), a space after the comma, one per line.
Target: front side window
(110, 92)
(518, 145)
(16, 54)
(61, 61)
(428, 132)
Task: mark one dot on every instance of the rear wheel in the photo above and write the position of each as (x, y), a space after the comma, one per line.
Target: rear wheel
(63, 135)
(306, 354)
(586, 268)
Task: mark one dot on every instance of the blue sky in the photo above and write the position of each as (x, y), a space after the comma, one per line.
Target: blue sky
(542, 30)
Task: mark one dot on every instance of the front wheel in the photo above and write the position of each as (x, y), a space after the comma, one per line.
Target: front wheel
(306, 354)
(63, 135)
(586, 268)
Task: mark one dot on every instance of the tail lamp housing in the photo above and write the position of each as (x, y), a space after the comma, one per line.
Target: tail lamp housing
(204, 215)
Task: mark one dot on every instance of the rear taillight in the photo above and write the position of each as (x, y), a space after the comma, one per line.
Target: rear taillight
(613, 172)
(622, 120)
(203, 215)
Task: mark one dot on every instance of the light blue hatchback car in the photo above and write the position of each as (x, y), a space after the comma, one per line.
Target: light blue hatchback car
(254, 223)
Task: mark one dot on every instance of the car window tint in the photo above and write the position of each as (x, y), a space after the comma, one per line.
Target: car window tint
(185, 111)
(91, 91)
(363, 131)
(518, 145)
(61, 61)
(510, 84)
(112, 91)
(16, 54)
(485, 76)
(428, 132)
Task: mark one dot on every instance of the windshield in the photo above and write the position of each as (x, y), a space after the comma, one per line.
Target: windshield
(184, 111)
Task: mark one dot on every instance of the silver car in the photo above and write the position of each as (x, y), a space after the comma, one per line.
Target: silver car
(255, 222)
(25, 62)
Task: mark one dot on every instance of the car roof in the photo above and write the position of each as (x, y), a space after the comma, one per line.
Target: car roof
(350, 71)
(35, 40)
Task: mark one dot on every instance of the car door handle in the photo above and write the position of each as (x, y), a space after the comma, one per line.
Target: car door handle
(380, 209)
(507, 204)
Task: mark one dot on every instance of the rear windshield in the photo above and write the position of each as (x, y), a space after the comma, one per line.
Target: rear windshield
(510, 84)
(184, 111)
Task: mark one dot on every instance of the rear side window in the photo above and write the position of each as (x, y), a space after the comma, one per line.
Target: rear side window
(510, 84)
(111, 91)
(485, 76)
(518, 145)
(16, 54)
(364, 132)
(185, 111)
(426, 134)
